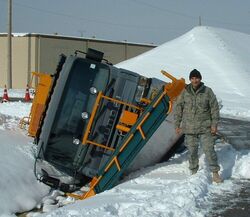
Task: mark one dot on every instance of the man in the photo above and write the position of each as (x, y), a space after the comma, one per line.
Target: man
(197, 115)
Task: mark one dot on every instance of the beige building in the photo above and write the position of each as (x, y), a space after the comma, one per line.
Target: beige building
(40, 52)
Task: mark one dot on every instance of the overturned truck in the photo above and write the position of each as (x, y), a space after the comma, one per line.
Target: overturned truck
(90, 120)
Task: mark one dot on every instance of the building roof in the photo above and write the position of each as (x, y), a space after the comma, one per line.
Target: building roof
(74, 38)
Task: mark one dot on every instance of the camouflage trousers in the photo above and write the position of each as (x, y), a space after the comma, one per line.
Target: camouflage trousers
(207, 141)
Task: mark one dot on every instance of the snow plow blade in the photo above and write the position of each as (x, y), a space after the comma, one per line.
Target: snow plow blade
(43, 90)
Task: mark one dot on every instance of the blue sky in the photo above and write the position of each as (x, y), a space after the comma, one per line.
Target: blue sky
(144, 21)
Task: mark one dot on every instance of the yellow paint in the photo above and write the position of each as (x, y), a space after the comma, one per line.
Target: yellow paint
(41, 94)
(175, 88)
(122, 128)
(121, 102)
(125, 144)
(128, 118)
(99, 145)
(142, 133)
(91, 119)
(145, 100)
(117, 163)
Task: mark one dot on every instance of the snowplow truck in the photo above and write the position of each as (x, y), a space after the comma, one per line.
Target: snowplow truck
(94, 120)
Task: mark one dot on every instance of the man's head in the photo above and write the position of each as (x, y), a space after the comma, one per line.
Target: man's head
(195, 78)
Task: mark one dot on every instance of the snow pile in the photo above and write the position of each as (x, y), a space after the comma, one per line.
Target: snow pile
(221, 55)
(19, 189)
(242, 167)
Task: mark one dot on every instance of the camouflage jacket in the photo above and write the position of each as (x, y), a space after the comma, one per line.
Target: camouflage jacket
(196, 111)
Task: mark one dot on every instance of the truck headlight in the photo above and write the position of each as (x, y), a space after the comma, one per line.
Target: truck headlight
(93, 90)
(85, 115)
(76, 141)
(139, 93)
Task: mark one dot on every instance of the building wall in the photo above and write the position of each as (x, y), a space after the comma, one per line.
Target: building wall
(112, 52)
(3, 61)
(49, 50)
(23, 60)
(40, 53)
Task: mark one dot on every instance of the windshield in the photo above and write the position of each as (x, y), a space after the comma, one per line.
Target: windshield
(68, 125)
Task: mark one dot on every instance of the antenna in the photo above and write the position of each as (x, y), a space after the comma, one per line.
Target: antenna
(199, 20)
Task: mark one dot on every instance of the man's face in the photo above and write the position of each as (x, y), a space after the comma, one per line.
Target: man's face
(195, 82)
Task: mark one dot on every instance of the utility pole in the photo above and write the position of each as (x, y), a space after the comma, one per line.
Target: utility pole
(81, 32)
(199, 20)
(9, 46)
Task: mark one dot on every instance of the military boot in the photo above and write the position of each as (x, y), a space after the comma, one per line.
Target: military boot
(217, 178)
(193, 172)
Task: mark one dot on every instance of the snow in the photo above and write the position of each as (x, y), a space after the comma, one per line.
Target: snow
(17, 93)
(165, 189)
(222, 57)
(241, 169)
(15, 109)
(19, 189)
(20, 34)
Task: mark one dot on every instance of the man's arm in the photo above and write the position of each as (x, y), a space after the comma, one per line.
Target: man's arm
(215, 112)
(178, 112)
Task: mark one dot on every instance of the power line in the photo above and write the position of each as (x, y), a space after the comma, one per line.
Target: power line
(164, 9)
(89, 20)
(226, 23)
(187, 15)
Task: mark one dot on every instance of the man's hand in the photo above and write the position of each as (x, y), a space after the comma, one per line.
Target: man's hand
(213, 130)
(178, 130)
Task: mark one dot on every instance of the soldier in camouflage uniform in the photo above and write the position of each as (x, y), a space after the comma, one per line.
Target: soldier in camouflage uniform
(197, 116)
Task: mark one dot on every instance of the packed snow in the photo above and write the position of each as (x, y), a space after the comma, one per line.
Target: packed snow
(165, 189)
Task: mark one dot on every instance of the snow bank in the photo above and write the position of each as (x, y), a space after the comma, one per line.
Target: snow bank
(19, 189)
(242, 167)
(221, 55)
